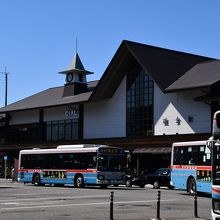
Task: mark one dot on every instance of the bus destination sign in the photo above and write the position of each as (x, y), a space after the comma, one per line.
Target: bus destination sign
(110, 151)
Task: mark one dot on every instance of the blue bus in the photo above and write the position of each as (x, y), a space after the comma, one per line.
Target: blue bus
(191, 166)
(78, 165)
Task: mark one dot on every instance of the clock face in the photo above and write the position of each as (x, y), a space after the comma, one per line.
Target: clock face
(69, 77)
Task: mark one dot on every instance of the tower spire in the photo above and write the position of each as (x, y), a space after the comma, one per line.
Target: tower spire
(76, 45)
(75, 77)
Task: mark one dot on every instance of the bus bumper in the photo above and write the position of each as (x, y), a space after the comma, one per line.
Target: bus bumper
(215, 216)
(110, 182)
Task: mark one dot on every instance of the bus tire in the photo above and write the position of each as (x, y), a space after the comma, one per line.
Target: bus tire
(104, 186)
(128, 183)
(170, 187)
(79, 181)
(191, 186)
(156, 185)
(36, 179)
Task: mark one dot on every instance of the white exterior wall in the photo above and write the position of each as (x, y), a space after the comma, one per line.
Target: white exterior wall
(107, 118)
(50, 114)
(58, 113)
(181, 105)
(24, 117)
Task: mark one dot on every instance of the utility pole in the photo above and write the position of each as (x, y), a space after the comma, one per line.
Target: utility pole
(6, 85)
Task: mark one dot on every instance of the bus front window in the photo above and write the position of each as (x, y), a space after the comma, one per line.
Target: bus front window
(110, 163)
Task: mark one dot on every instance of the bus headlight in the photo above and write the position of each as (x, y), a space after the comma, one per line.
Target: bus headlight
(101, 177)
(216, 206)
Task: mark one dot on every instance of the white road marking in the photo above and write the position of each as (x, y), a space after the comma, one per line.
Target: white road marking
(10, 203)
(81, 204)
(49, 198)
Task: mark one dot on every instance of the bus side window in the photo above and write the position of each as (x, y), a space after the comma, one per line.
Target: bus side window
(178, 156)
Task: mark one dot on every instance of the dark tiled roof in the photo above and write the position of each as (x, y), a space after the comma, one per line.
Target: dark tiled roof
(92, 85)
(201, 75)
(163, 65)
(48, 98)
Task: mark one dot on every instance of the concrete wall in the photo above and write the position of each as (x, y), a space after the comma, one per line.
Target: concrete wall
(50, 114)
(180, 105)
(107, 118)
(24, 117)
(59, 113)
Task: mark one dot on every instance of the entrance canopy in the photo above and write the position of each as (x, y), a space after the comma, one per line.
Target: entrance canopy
(158, 150)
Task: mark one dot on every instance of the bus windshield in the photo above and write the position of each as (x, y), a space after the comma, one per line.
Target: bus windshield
(111, 163)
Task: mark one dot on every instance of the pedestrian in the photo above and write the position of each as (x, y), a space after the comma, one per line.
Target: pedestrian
(12, 174)
(7, 173)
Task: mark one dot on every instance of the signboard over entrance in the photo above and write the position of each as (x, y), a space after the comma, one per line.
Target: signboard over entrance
(72, 113)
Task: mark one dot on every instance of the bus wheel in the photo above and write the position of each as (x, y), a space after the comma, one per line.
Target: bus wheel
(156, 185)
(128, 183)
(104, 186)
(191, 186)
(36, 179)
(79, 181)
(170, 187)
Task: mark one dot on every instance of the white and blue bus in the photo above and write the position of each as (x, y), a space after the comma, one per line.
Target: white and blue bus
(214, 143)
(78, 165)
(191, 166)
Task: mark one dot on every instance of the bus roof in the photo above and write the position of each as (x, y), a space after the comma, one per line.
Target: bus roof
(64, 149)
(79, 146)
(55, 150)
(189, 143)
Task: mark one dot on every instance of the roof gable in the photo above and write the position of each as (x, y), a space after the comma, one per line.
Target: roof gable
(163, 65)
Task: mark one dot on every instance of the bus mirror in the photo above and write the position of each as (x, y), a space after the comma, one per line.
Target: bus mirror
(217, 118)
(217, 144)
(216, 126)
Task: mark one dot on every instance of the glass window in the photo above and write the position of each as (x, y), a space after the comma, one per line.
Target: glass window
(54, 130)
(190, 155)
(68, 130)
(75, 130)
(62, 130)
(139, 100)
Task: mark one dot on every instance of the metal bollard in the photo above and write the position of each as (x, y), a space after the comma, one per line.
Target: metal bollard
(195, 205)
(158, 205)
(111, 206)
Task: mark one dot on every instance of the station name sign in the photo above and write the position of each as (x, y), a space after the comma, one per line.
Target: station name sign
(72, 113)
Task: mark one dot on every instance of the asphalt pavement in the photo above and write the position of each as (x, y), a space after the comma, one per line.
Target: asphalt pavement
(19, 201)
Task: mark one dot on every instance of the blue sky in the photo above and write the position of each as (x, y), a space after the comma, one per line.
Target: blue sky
(37, 37)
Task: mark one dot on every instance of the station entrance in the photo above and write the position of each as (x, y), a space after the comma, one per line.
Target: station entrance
(148, 160)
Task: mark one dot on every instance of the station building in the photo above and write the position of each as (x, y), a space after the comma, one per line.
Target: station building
(147, 98)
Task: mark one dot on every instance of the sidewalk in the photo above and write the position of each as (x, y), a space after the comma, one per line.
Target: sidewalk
(6, 183)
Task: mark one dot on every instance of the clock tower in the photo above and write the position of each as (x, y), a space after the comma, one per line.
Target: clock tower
(75, 77)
